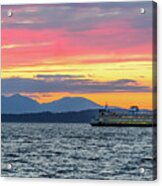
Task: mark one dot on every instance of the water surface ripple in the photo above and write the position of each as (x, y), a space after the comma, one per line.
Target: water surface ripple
(76, 151)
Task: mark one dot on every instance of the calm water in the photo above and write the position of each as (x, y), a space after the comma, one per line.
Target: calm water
(76, 151)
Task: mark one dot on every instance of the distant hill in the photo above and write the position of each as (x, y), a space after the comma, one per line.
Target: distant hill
(18, 104)
(68, 104)
(48, 117)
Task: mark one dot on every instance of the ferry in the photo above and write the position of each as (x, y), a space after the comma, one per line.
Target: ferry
(129, 118)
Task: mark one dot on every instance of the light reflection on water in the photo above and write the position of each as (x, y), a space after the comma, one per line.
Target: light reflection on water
(76, 151)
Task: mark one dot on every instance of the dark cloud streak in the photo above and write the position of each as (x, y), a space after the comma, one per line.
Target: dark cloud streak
(71, 85)
(77, 17)
(59, 76)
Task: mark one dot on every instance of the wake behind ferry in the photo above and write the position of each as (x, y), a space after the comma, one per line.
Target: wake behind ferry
(130, 118)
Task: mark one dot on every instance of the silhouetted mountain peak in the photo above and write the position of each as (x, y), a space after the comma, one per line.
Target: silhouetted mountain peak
(20, 97)
(74, 99)
(22, 104)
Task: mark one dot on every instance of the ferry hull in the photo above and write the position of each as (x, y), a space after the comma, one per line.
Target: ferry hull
(121, 125)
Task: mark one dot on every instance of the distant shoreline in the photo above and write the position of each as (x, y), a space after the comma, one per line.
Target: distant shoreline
(48, 117)
(81, 117)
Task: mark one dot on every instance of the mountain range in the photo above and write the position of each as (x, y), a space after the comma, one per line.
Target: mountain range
(18, 104)
(19, 108)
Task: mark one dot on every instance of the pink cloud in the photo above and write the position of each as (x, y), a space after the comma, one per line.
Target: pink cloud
(106, 38)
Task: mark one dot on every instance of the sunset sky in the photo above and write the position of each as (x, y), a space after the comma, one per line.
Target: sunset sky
(100, 51)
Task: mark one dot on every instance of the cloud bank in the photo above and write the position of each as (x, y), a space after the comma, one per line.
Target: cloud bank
(70, 84)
